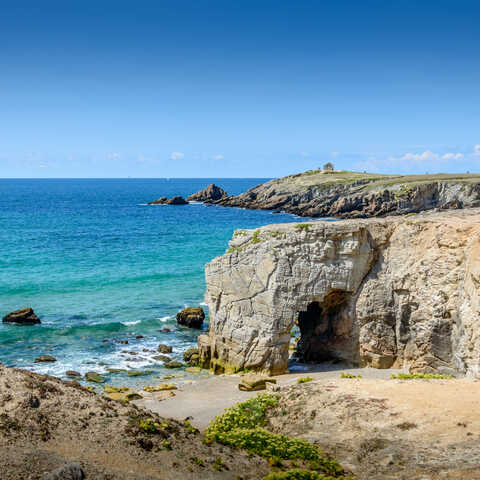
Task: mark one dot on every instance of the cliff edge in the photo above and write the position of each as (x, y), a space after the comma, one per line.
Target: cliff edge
(343, 194)
(390, 292)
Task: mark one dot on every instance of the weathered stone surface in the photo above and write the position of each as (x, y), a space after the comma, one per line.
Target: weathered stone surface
(24, 316)
(253, 382)
(344, 194)
(393, 292)
(191, 317)
(209, 194)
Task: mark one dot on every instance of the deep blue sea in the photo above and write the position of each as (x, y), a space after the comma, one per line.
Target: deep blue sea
(99, 266)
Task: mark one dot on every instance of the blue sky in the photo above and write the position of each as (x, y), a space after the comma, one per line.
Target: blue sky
(238, 88)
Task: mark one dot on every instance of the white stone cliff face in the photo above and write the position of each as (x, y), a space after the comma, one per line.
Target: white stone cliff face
(392, 292)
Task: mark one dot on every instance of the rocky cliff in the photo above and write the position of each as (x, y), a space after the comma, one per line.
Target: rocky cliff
(359, 195)
(390, 292)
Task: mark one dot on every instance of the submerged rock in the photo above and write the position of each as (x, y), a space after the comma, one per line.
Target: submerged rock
(209, 194)
(138, 373)
(161, 387)
(24, 316)
(173, 364)
(72, 374)
(45, 359)
(94, 377)
(191, 317)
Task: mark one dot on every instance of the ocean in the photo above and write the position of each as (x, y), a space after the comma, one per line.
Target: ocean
(100, 266)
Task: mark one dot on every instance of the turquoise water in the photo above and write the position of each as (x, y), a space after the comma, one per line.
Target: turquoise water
(99, 266)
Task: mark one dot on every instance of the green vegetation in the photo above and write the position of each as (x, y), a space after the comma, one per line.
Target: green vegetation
(299, 474)
(219, 465)
(349, 375)
(148, 426)
(256, 237)
(242, 427)
(191, 428)
(304, 379)
(303, 227)
(421, 376)
(198, 461)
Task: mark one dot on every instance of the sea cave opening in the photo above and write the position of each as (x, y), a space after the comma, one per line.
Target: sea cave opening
(323, 330)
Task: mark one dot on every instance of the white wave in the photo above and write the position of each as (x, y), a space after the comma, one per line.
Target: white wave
(164, 319)
(204, 304)
(130, 323)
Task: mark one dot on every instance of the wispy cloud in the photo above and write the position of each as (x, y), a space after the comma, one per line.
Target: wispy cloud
(453, 156)
(335, 154)
(177, 155)
(218, 156)
(476, 150)
(305, 154)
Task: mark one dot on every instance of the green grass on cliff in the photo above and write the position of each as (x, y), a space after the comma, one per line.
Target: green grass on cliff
(319, 178)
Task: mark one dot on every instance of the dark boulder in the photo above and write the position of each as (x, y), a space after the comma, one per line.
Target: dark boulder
(72, 374)
(162, 348)
(209, 194)
(161, 358)
(24, 316)
(45, 359)
(191, 317)
(176, 200)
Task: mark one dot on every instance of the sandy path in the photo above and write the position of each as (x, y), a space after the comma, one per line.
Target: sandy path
(205, 399)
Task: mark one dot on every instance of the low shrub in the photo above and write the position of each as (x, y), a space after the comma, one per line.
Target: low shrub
(300, 474)
(241, 427)
(349, 375)
(304, 379)
(421, 376)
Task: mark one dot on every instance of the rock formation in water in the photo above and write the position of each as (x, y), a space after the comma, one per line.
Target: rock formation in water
(24, 316)
(342, 194)
(392, 292)
(191, 317)
(209, 194)
(176, 200)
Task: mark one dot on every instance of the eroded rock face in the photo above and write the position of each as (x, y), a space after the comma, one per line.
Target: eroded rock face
(350, 195)
(393, 292)
(209, 194)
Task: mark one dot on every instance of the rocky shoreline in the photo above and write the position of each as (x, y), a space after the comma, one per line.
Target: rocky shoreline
(342, 194)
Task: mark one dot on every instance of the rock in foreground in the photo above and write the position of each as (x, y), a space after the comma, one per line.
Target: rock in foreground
(209, 194)
(253, 382)
(24, 316)
(191, 317)
(396, 292)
